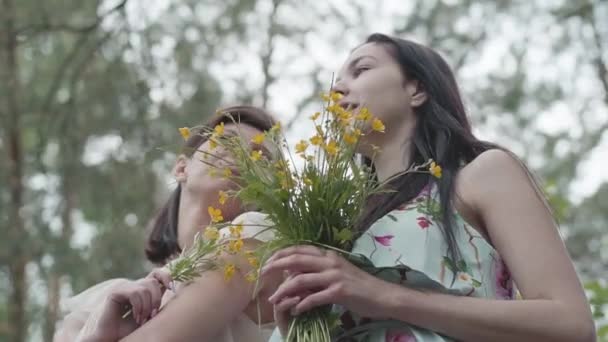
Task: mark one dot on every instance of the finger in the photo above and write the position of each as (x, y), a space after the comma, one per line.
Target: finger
(163, 276)
(121, 298)
(314, 300)
(281, 313)
(146, 303)
(136, 305)
(300, 249)
(302, 283)
(299, 263)
(155, 289)
(286, 304)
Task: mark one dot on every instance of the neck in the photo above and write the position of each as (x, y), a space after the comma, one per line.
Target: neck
(395, 151)
(192, 218)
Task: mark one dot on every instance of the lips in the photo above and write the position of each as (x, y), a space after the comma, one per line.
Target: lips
(348, 105)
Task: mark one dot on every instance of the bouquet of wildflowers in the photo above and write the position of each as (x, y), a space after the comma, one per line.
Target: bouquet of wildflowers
(318, 203)
(204, 254)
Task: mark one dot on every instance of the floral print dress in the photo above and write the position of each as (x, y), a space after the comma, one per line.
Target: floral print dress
(410, 236)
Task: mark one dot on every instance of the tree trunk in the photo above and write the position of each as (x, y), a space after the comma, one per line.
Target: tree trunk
(16, 235)
(54, 280)
(52, 309)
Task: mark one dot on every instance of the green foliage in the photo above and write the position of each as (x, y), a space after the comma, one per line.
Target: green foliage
(599, 304)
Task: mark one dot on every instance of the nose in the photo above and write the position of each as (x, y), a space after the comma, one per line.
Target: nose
(340, 87)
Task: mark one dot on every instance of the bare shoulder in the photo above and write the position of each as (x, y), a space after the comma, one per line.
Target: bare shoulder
(492, 172)
(490, 181)
(493, 165)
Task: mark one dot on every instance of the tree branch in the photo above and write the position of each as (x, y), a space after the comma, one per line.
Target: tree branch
(267, 57)
(317, 88)
(48, 27)
(599, 62)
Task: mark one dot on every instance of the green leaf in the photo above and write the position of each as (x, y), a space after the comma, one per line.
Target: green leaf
(450, 264)
(343, 235)
(462, 266)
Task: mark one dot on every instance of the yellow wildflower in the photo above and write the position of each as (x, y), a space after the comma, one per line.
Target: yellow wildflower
(251, 277)
(377, 125)
(229, 270)
(332, 148)
(345, 117)
(235, 246)
(316, 140)
(256, 155)
(335, 96)
(253, 261)
(357, 132)
(223, 197)
(435, 170)
(364, 114)
(236, 231)
(276, 127)
(350, 138)
(212, 144)
(219, 129)
(211, 233)
(325, 97)
(227, 172)
(258, 138)
(334, 109)
(216, 214)
(315, 116)
(185, 132)
(301, 146)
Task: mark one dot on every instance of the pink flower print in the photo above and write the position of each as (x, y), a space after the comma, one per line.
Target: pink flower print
(399, 336)
(384, 240)
(504, 283)
(423, 222)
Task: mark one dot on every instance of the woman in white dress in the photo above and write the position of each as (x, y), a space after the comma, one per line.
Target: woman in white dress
(209, 308)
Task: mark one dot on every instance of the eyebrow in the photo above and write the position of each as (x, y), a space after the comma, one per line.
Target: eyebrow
(354, 62)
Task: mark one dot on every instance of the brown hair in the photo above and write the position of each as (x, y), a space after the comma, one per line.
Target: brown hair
(162, 242)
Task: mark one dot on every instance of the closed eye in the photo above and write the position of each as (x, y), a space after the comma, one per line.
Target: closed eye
(358, 71)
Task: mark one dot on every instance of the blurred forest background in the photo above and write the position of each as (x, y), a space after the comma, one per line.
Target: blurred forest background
(92, 93)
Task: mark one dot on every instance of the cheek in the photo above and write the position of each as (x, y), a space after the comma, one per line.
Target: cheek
(381, 93)
(384, 105)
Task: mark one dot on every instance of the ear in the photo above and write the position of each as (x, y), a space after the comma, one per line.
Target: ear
(417, 93)
(179, 170)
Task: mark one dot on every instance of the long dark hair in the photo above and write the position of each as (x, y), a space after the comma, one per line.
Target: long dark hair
(442, 132)
(162, 241)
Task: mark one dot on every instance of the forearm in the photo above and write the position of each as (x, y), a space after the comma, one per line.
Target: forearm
(480, 319)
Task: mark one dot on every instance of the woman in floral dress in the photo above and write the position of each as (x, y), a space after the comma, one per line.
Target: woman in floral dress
(456, 239)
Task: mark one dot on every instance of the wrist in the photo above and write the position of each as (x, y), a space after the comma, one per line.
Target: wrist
(393, 300)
